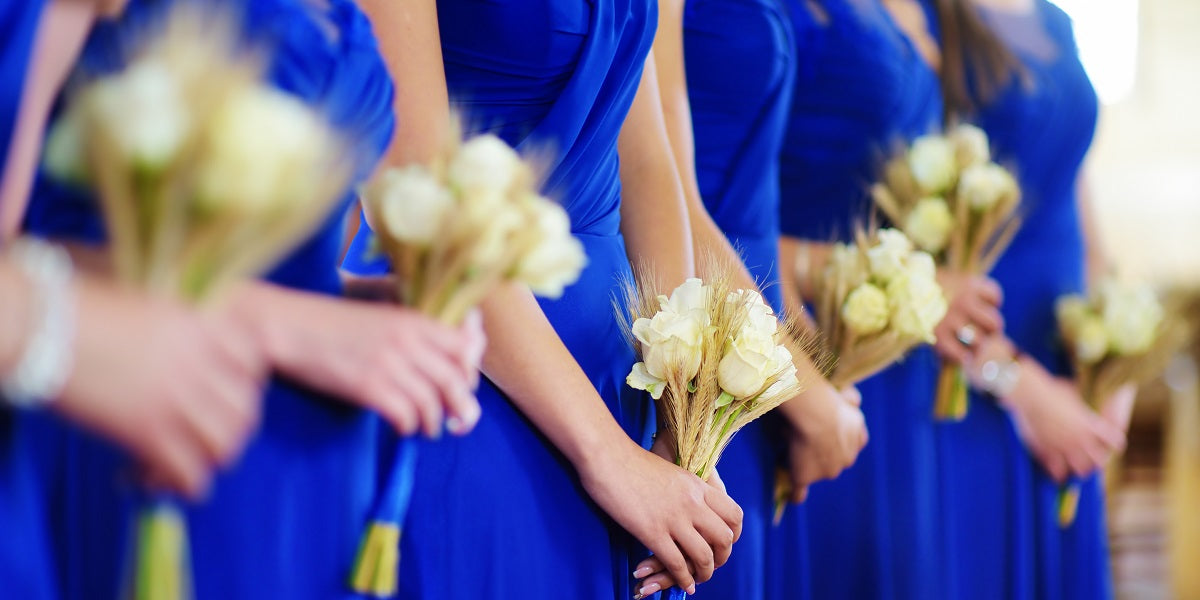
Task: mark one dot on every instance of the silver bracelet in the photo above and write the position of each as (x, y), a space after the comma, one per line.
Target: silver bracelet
(45, 362)
(1000, 378)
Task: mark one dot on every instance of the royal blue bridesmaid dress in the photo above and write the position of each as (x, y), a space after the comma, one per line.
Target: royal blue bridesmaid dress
(25, 560)
(500, 513)
(284, 521)
(1005, 538)
(740, 68)
(862, 91)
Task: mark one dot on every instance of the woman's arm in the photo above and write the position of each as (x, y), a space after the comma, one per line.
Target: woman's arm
(1098, 263)
(835, 428)
(671, 511)
(63, 28)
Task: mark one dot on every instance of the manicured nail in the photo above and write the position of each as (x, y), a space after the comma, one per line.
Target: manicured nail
(455, 425)
(642, 572)
(691, 589)
(647, 590)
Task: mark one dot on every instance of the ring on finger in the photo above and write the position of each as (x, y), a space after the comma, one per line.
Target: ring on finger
(967, 335)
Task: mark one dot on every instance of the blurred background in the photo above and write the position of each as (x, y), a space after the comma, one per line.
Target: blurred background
(1144, 176)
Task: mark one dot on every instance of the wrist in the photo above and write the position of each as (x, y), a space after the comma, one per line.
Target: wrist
(256, 308)
(598, 451)
(38, 357)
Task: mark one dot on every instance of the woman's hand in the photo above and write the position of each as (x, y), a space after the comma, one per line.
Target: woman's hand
(974, 314)
(412, 371)
(1061, 431)
(826, 434)
(180, 390)
(688, 524)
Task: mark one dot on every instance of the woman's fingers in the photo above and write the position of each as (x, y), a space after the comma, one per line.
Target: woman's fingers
(726, 509)
(698, 551)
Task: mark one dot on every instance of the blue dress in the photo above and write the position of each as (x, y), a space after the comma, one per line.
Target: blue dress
(1005, 535)
(497, 511)
(740, 67)
(862, 91)
(284, 521)
(25, 560)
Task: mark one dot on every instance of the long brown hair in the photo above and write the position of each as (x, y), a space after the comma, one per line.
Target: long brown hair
(976, 63)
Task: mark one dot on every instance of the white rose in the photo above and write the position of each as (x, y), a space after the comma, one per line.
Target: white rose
(413, 206)
(1071, 312)
(749, 362)
(983, 186)
(670, 341)
(144, 111)
(866, 310)
(1091, 340)
(917, 306)
(760, 317)
(920, 264)
(929, 224)
(485, 162)
(263, 148)
(556, 261)
(787, 382)
(933, 164)
(640, 379)
(887, 256)
(1131, 316)
(690, 298)
(970, 145)
(493, 236)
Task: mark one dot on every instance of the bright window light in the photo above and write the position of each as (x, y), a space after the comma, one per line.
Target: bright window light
(1107, 34)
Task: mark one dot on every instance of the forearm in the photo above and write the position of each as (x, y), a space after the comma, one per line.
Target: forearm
(1097, 260)
(63, 28)
(654, 216)
(547, 386)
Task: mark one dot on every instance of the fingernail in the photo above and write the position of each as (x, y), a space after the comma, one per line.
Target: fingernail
(473, 413)
(647, 590)
(691, 588)
(642, 572)
(455, 425)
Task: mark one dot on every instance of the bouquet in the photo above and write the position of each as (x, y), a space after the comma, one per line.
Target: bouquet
(1118, 336)
(453, 230)
(205, 174)
(958, 206)
(877, 299)
(714, 359)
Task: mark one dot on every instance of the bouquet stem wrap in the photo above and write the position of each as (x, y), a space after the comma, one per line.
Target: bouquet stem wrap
(161, 563)
(377, 563)
(952, 400)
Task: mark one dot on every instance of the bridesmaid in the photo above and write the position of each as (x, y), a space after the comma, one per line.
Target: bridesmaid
(105, 389)
(867, 82)
(283, 521)
(726, 70)
(1013, 68)
(554, 475)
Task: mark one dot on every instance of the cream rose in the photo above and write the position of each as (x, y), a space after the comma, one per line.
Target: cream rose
(983, 186)
(262, 148)
(1131, 317)
(670, 343)
(485, 162)
(970, 145)
(887, 257)
(1091, 340)
(866, 310)
(850, 263)
(145, 112)
(1071, 312)
(556, 261)
(750, 361)
(917, 306)
(410, 203)
(929, 224)
(933, 164)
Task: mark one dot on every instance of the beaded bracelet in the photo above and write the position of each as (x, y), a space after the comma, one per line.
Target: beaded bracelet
(45, 362)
